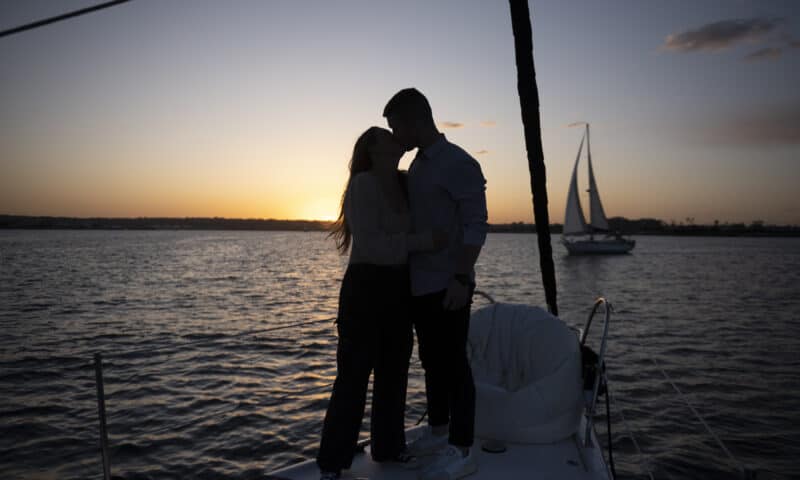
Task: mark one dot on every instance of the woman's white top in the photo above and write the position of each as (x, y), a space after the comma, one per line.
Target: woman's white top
(380, 234)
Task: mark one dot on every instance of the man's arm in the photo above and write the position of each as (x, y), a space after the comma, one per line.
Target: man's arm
(466, 259)
(468, 188)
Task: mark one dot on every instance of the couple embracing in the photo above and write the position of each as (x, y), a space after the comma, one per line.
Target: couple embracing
(413, 240)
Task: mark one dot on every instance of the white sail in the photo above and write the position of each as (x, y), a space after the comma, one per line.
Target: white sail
(598, 219)
(574, 222)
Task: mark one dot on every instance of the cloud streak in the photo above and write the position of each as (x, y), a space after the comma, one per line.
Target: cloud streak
(768, 53)
(721, 35)
(773, 126)
(450, 125)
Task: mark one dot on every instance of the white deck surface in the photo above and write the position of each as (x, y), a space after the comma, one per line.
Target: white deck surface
(560, 461)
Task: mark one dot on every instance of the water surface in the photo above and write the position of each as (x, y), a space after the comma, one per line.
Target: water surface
(208, 375)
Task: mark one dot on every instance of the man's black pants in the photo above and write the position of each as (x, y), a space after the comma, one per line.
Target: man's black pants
(449, 387)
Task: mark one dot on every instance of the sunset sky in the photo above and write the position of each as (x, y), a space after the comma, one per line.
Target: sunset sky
(251, 108)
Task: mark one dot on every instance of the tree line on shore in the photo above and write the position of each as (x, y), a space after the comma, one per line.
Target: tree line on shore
(642, 226)
(652, 226)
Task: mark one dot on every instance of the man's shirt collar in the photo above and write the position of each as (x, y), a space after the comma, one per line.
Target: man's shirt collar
(433, 149)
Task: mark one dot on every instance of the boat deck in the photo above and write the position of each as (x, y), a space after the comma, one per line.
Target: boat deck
(564, 460)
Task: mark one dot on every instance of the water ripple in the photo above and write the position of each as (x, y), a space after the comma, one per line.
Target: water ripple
(198, 386)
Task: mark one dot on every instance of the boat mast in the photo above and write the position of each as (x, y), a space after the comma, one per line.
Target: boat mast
(529, 105)
(597, 220)
(589, 190)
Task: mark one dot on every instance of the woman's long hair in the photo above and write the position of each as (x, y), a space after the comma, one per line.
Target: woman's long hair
(359, 162)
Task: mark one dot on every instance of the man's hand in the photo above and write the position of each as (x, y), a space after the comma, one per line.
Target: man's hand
(456, 296)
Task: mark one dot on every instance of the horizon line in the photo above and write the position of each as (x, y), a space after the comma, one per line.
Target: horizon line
(270, 219)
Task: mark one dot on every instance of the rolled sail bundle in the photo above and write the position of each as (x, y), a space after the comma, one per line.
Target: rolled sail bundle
(527, 369)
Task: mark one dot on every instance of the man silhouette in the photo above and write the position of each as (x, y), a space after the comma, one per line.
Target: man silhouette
(446, 192)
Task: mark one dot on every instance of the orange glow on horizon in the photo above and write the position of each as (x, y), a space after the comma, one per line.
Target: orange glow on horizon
(319, 208)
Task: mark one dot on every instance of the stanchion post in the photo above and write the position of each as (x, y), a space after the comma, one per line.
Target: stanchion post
(101, 411)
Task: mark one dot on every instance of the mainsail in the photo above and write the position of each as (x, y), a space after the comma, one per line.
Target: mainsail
(598, 219)
(574, 223)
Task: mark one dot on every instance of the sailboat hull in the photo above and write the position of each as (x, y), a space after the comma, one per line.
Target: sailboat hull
(599, 247)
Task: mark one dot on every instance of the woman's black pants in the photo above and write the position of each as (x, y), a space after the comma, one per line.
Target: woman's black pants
(375, 334)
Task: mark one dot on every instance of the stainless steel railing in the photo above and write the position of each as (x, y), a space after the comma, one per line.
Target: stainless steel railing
(600, 377)
(164, 350)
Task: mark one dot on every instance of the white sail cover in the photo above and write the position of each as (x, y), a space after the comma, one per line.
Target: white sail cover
(574, 221)
(597, 215)
(527, 369)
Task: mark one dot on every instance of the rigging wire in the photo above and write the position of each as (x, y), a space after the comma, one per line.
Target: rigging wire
(744, 471)
(224, 412)
(608, 431)
(642, 461)
(159, 349)
(175, 348)
(58, 18)
(219, 414)
(415, 371)
(721, 444)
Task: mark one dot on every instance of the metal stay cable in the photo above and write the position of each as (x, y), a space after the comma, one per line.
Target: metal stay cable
(225, 412)
(696, 413)
(58, 18)
(640, 455)
(415, 364)
(159, 349)
(699, 417)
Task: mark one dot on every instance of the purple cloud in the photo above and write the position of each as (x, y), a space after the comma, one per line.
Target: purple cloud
(721, 35)
(773, 125)
(764, 54)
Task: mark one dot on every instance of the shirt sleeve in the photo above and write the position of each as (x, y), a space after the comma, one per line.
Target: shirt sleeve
(467, 186)
(364, 215)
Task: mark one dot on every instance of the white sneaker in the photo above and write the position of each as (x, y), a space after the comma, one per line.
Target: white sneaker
(450, 464)
(427, 443)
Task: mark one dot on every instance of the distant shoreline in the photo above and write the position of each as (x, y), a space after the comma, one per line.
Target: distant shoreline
(623, 225)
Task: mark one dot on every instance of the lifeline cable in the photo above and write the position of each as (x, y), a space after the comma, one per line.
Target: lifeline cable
(58, 18)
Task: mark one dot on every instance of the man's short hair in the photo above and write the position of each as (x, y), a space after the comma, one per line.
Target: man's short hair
(408, 103)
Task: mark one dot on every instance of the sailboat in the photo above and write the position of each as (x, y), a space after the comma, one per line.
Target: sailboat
(575, 225)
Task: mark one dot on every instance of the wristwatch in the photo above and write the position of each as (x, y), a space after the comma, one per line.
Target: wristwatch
(464, 279)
